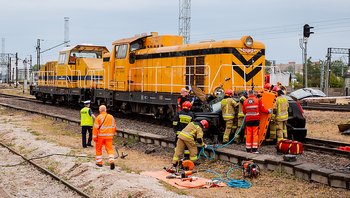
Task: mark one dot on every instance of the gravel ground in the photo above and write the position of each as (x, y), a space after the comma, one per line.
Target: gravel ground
(319, 124)
(81, 172)
(27, 181)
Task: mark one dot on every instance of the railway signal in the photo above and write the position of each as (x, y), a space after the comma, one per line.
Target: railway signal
(307, 30)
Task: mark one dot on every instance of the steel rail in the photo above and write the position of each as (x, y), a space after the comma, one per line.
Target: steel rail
(47, 172)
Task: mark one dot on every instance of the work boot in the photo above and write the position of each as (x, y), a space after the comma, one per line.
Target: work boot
(99, 165)
(248, 150)
(112, 165)
(255, 151)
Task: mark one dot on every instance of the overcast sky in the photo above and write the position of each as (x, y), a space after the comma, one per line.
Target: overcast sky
(277, 23)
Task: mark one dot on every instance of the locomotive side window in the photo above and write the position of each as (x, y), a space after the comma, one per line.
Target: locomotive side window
(121, 51)
(62, 58)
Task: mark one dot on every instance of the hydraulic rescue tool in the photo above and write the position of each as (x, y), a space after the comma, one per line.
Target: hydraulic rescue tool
(250, 169)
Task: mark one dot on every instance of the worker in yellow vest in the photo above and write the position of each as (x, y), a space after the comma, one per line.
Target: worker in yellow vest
(281, 115)
(86, 123)
(228, 105)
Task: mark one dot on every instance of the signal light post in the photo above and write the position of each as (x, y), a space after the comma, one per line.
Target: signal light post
(306, 34)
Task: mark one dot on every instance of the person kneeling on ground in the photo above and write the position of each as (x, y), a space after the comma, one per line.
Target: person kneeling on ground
(104, 129)
(187, 137)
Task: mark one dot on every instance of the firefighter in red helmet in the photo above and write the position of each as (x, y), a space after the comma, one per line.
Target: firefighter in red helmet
(228, 105)
(191, 134)
(181, 120)
(252, 108)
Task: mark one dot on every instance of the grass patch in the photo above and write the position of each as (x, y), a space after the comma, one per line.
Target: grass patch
(34, 132)
(53, 167)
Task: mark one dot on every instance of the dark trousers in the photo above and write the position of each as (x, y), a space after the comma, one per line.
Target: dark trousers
(84, 129)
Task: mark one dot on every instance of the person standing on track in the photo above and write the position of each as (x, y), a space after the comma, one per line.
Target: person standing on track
(252, 108)
(103, 132)
(86, 122)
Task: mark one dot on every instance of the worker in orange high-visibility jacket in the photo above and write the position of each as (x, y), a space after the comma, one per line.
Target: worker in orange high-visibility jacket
(252, 108)
(103, 132)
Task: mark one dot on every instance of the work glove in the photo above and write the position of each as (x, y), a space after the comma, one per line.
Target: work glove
(270, 111)
(199, 140)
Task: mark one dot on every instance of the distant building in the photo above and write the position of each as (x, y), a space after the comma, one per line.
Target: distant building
(291, 67)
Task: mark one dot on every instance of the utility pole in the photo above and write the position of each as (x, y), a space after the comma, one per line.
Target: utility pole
(30, 69)
(9, 71)
(38, 54)
(25, 75)
(16, 82)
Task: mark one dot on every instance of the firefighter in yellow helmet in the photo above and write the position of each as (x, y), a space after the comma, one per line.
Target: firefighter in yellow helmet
(228, 105)
(191, 134)
(281, 115)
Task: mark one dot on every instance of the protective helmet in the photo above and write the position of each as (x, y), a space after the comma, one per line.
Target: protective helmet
(229, 92)
(275, 88)
(280, 92)
(267, 86)
(186, 105)
(205, 124)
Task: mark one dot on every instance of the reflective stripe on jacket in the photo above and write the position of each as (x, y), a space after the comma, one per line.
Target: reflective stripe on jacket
(228, 108)
(282, 108)
(104, 126)
(182, 119)
(191, 132)
(85, 117)
(252, 108)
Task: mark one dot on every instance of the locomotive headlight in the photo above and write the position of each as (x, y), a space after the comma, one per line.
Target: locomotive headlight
(248, 41)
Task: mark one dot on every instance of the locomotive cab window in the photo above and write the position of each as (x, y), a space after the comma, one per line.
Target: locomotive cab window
(121, 51)
(62, 58)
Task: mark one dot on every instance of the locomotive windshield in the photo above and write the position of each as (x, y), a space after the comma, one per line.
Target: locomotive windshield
(86, 54)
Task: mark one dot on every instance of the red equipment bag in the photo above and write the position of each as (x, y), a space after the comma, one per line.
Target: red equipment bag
(290, 147)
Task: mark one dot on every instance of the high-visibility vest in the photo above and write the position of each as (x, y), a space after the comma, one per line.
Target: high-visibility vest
(282, 108)
(182, 119)
(227, 108)
(86, 119)
(104, 126)
(251, 108)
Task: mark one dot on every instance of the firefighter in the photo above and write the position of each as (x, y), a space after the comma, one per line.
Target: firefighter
(103, 132)
(86, 122)
(281, 112)
(240, 116)
(182, 98)
(228, 112)
(191, 134)
(252, 108)
(181, 120)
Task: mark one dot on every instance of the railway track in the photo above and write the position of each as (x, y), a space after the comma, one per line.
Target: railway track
(47, 172)
(326, 146)
(326, 107)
